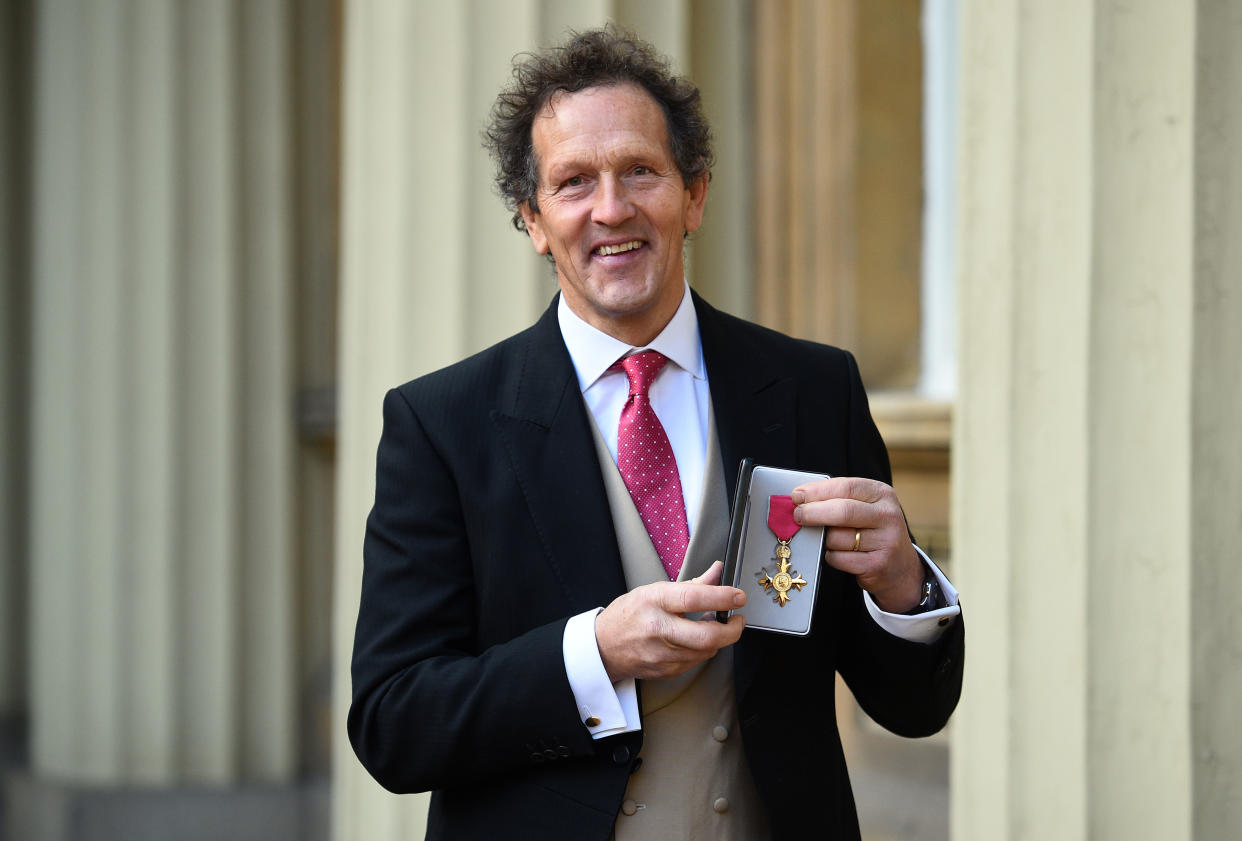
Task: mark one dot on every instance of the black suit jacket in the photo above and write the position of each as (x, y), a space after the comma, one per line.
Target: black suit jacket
(491, 528)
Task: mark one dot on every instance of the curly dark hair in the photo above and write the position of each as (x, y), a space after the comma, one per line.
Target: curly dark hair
(595, 58)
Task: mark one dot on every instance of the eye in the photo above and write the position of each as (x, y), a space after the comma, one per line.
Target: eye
(642, 170)
(574, 181)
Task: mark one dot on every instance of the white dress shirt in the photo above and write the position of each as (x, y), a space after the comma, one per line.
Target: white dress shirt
(681, 400)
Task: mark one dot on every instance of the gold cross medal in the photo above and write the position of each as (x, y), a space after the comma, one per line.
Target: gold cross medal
(781, 522)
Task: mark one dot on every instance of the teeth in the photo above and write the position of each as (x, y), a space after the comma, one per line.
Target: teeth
(606, 250)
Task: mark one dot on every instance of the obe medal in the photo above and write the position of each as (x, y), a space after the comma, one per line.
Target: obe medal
(781, 522)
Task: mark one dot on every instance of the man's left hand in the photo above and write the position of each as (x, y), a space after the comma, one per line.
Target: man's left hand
(866, 535)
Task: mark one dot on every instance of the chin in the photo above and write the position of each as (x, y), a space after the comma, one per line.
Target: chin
(627, 305)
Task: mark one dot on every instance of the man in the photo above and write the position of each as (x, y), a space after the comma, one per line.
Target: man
(548, 511)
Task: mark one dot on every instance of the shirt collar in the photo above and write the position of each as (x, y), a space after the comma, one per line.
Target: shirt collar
(593, 351)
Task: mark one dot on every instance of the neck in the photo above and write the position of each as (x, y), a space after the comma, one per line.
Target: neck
(633, 331)
(636, 329)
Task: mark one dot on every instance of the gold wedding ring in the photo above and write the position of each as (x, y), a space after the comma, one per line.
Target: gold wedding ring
(857, 539)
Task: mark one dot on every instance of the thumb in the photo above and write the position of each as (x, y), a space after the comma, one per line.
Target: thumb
(712, 576)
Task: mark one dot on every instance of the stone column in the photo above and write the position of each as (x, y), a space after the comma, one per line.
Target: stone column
(1096, 483)
(722, 260)
(431, 269)
(162, 645)
(838, 177)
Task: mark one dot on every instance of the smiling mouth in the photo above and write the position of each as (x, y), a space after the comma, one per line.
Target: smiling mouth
(619, 248)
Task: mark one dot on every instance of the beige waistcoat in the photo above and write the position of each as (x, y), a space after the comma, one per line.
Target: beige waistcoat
(693, 782)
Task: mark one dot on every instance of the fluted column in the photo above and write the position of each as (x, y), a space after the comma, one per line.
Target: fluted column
(838, 177)
(162, 647)
(431, 269)
(1096, 476)
(722, 259)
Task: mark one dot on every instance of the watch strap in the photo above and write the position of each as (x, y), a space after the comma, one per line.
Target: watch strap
(931, 597)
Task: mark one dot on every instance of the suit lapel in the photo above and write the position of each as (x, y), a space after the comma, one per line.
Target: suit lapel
(755, 406)
(545, 430)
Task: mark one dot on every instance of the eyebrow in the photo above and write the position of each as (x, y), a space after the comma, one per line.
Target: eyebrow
(628, 155)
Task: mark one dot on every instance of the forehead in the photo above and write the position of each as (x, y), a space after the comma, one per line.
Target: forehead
(599, 123)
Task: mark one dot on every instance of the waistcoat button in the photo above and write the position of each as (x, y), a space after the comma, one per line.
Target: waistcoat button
(620, 754)
(721, 805)
(629, 807)
(720, 733)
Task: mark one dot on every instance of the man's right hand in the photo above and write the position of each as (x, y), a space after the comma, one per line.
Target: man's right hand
(645, 634)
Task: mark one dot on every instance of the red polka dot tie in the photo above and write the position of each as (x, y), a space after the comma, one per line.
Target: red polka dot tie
(647, 466)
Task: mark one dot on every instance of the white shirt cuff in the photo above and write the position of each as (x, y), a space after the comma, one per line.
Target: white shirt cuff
(923, 627)
(612, 706)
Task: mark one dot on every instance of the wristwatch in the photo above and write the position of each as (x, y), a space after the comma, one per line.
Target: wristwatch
(932, 598)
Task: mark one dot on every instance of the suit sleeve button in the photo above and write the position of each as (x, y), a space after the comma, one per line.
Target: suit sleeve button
(620, 754)
(593, 721)
(536, 757)
(629, 807)
(721, 805)
(720, 733)
(549, 754)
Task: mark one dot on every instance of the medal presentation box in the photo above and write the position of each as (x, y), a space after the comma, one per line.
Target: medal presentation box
(771, 558)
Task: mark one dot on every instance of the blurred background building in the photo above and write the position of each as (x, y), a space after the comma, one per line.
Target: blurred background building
(228, 226)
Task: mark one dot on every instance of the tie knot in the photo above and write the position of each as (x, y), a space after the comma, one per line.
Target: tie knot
(642, 368)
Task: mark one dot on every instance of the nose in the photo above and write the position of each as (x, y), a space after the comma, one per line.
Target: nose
(612, 202)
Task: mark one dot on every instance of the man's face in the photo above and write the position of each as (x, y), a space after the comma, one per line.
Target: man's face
(613, 209)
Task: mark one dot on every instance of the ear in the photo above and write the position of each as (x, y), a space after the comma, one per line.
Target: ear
(532, 221)
(696, 199)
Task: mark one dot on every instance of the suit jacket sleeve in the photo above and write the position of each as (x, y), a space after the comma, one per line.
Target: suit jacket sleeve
(908, 687)
(435, 703)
